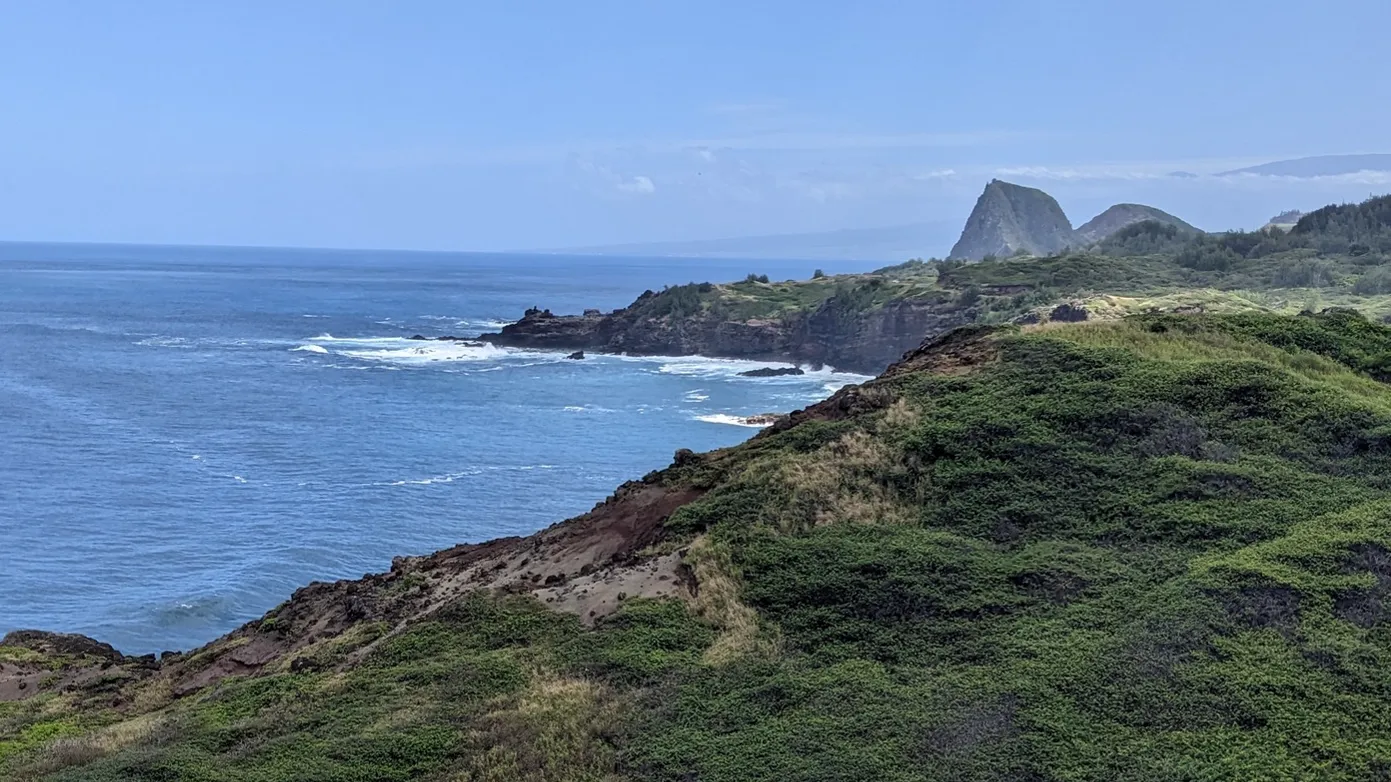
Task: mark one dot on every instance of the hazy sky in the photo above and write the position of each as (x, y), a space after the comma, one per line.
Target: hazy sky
(470, 125)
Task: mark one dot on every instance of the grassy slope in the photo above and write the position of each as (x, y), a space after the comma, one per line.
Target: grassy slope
(1109, 286)
(1151, 549)
(1336, 256)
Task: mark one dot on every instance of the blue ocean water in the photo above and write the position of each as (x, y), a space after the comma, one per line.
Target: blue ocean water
(189, 434)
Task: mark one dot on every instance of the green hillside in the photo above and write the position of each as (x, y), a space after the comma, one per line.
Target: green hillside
(1157, 548)
(1336, 256)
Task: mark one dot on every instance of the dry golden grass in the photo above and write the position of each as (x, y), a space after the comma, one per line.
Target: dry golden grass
(718, 603)
(900, 416)
(554, 731)
(853, 480)
(68, 751)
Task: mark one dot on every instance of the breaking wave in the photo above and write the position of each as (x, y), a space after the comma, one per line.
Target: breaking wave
(402, 351)
(731, 420)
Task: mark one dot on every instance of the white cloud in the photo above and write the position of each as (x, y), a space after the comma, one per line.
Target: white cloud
(1081, 173)
(638, 184)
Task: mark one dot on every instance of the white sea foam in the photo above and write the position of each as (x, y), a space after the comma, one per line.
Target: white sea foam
(396, 350)
(329, 338)
(731, 420)
(399, 350)
(446, 478)
(696, 396)
(310, 349)
(165, 342)
(450, 477)
(729, 368)
(700, 366)
(424, 354)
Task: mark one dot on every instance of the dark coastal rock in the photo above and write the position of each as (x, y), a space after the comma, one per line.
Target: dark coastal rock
(576, 356)
(304, 665)
(1068, 312)
(65, 644)
(762, 419)
(837, 333)
(420, 337)
(772, 372)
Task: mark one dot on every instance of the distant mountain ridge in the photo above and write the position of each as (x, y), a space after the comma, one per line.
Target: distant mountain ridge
(1321, 165)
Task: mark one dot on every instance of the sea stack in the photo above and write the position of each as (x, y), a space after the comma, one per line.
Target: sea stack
(1010, 219)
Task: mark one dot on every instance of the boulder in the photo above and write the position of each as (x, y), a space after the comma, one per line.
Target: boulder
(66, 644)
(1068, 312)
(576, 356)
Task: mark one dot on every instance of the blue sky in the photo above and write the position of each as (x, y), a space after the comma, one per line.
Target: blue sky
(463, 125)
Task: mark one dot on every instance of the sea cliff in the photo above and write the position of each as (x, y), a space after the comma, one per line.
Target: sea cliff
(832, 334)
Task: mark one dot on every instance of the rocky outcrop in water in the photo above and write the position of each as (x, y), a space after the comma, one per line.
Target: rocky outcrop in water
(773, 372)
(1009, 219)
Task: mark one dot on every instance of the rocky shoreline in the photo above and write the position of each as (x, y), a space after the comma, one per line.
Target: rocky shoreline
(860, 341)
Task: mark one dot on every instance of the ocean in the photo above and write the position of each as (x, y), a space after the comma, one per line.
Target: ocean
(187, 435)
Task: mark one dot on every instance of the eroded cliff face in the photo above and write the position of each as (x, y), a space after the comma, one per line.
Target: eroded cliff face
(835, 334)
(869, 341)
